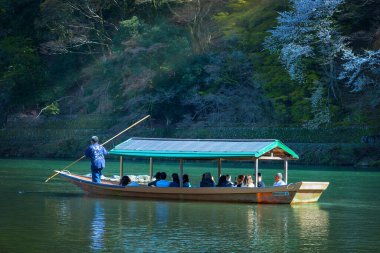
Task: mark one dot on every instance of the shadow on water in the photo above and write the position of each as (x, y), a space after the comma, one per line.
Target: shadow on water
(53, 194)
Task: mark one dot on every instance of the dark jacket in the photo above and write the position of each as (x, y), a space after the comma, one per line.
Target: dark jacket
(225, 184)
(261, 184)
(174, 184)
(207, 183)
(153, 183)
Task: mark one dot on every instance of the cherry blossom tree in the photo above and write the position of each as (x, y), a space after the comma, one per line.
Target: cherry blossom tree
(308, 32)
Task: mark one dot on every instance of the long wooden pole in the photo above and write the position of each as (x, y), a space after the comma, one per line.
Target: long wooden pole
(71, 164)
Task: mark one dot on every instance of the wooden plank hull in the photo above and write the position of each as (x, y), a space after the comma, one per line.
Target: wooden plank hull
(301, 192)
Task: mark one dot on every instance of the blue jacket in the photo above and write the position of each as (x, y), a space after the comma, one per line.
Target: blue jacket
(96, 153)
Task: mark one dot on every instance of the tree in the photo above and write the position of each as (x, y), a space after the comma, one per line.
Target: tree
(361, 70)
(307, 37)
(22, 79)
(310, 45)
(83, 26)
(195, 14)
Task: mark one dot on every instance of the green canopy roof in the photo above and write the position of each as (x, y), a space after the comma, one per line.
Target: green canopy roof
(203, 148)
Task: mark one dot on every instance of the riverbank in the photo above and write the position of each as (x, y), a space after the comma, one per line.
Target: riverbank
(67, 137)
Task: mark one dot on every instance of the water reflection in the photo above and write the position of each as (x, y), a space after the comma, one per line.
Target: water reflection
(161, 214)
(119, 224)
(314, 226)
(63, 216)
(63, 213)
(304, 227)
(97, 227)
(203, 226)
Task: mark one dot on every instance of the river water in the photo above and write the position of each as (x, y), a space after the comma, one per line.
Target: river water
(58, 217)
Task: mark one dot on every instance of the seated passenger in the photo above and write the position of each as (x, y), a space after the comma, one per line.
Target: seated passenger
(278, 180)
(207, 180)
(260, 182)
(186, 181)
(228, 176)
(157, 178)
(126, 181)
(133, 183)
(163, 182)
(222, 182)
(248, 181)
(239, 181)
(175, 182)
(229, 182)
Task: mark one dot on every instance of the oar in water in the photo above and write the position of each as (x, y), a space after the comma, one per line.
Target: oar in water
(71, 164)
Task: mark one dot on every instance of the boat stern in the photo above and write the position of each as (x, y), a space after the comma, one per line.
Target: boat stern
(308, 192)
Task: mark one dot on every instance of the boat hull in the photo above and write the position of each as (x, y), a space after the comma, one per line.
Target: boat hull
(301, 192)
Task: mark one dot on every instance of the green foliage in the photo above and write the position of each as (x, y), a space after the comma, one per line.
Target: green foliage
(131, 27)
(153, 53)
(22, 76)
(359, 21)
(248, 21)
(17, 17)
(52, 109)
(148, 65)
(128, 29)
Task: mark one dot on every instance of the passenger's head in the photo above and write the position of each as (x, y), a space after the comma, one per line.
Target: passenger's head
(158, 176)
(163, 175)
(249, 179)
(207, 176)
(222, 180)
(125, 180)
(175, 177)
(94, 139)
(186, 178)
(240, 179)
(259, 175)
(278, 177)
(228, 177)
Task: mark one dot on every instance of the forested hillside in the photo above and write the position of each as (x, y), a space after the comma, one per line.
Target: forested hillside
(193, 63)
(202, 62)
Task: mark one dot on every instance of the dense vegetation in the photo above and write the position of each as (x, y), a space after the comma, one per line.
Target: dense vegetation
(193, 63)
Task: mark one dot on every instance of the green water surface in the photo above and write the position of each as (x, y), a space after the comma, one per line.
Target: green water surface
(58, 217)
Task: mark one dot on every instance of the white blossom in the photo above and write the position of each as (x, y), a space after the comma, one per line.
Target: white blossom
(306, 31)
(360, 70)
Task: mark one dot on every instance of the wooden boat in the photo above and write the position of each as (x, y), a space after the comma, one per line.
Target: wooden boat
(189, 149)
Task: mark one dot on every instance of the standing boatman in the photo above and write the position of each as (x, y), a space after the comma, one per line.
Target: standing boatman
(96, 153)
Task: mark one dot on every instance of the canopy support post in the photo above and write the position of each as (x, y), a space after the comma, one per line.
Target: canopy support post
(286, 171)
(181, 173)
(219, 167)
(121, 167)
(151, 168)
(256, 171)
